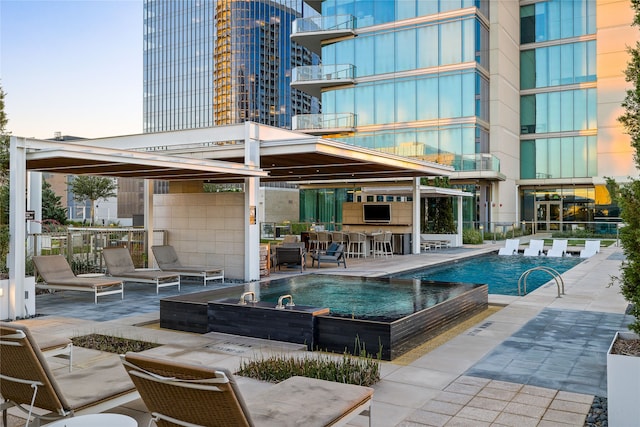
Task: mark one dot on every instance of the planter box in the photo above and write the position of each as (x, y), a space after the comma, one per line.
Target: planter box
(30, 296)
(623, 386)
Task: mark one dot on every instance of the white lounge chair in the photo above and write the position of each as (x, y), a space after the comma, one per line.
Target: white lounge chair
(559, 248)
(535, 248)
(591, 247)
(510, 247)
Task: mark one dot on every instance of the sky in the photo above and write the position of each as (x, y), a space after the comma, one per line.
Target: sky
(72, 66)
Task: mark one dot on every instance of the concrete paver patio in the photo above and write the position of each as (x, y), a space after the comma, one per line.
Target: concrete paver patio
(538, 361)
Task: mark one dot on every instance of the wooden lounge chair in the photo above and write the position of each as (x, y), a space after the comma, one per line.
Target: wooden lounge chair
(184, 394)
(27, 383)
(168, 260)
(56, 273)
(335, 253)
(120, 265)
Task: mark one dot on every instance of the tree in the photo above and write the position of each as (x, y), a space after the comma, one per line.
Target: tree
(4, 185)
(628, 195)
(437, 212)
(51, 206)
(93, 189)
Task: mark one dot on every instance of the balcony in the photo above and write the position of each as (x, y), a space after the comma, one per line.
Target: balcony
(312, 79)
(312, 32)
(315, 4)
(321, 124)
(480, 165)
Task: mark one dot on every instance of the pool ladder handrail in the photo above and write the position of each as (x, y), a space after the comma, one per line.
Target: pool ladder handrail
(243, 298)
(281, 306)
(551, 271)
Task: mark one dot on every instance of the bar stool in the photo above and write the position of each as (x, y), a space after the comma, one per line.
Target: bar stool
(324, 239)
(357, 244)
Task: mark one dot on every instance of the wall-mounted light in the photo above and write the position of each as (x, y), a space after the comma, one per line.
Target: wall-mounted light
(1, 292)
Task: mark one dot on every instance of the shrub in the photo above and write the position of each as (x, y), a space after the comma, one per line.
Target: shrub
(471, 237)
(348, 369)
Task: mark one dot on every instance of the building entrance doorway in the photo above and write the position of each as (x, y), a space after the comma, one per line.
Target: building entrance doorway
(548, 216)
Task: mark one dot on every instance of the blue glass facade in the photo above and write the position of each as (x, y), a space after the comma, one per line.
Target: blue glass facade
(401, 79)
(558, 97)
(210, 63)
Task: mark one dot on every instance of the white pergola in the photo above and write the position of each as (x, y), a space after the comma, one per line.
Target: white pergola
(245, 153)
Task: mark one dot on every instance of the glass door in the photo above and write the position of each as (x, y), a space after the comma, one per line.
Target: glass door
(548, 216)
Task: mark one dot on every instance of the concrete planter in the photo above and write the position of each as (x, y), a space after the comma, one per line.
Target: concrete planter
(623, 386)
(30, 296)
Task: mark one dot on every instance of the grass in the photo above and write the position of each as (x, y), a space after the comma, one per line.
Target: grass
(112, 344)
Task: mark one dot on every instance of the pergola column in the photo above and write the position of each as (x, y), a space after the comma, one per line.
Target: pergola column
(251, 198)
(415, 241)
(17, 226)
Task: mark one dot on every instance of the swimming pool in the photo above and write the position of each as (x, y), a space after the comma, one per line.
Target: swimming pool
(500, 273)
(367, 298)
(331, 313)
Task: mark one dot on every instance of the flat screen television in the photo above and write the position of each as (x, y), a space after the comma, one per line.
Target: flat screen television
(379, 213)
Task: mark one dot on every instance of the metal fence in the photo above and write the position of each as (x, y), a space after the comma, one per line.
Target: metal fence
(83, 246)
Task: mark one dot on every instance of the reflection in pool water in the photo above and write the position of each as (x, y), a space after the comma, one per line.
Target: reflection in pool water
(360, 297)
(501, 273)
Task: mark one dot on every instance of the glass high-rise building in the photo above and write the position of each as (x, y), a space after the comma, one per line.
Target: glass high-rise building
(209, 63)
(521, 98)
(217, 62)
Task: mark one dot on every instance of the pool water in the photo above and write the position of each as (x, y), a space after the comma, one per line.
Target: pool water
(501, 273)
(383, 299)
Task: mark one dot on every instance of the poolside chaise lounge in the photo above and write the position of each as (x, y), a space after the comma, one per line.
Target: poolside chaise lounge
(510, 247)
(558, 249)
(591, 247)
(334, 253)
(52, 345)
(27, 382)
(177, 393)
(120, 265)
(57, 274)
(168, 260)
(536, 248)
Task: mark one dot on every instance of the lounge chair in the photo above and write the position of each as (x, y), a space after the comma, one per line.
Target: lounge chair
(57, 274)
(177, 393)
(52, 345)
(27, 383)
(558, 249)
(536, 248)
(591, 247)
(120, 265)
(335, 253)
(168, 260)
(290, 254)
(510, 247)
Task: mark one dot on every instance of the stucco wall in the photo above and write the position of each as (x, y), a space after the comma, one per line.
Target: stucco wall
(204, 228)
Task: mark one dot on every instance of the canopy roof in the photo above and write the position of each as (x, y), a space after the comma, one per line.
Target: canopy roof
(218, 155)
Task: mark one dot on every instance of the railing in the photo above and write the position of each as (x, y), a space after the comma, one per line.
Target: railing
(309, 73)
(477, 162)
(323, 121)
(323, 23)
(554, 274)
(83, 246)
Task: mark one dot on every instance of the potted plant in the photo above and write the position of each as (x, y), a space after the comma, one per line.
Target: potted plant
(623, 357)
